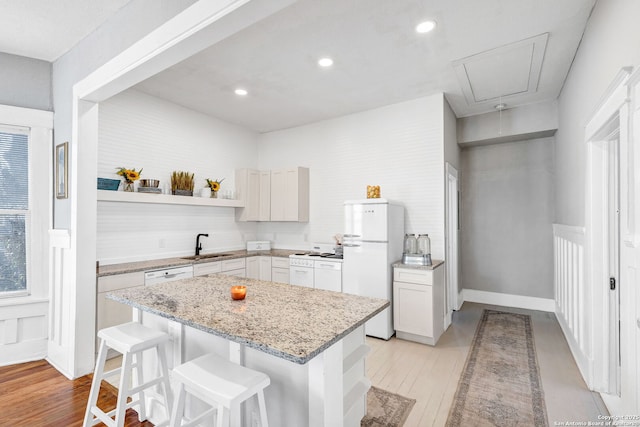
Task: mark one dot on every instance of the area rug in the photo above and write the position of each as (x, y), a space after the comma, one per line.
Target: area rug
(385, 409)
(500, 383)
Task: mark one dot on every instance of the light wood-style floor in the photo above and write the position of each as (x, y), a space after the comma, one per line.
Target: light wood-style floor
(430, 374)
(35, 394)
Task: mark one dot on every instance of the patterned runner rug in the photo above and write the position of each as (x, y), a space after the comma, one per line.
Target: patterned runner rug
(500, 383)
(385, 409)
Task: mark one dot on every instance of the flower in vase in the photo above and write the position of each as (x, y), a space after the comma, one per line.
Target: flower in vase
(214, 184)
(129, 175)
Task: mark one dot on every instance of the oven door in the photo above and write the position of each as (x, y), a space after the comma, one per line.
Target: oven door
(301, 276)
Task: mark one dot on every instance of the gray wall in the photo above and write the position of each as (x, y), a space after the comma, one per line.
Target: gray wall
(506, 218)
(610, 42)
(25, 82)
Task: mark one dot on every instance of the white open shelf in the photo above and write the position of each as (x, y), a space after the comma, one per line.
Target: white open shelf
(165, 199)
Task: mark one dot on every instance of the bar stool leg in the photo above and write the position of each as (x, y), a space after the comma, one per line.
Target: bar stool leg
(223, 416)
(95, 384)
(178, 409)
(263, 409)
(164, 371)
(123, 390)
(142, 409)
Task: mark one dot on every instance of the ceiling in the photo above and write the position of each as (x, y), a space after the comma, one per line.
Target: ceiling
(46, 29)
(482, 52)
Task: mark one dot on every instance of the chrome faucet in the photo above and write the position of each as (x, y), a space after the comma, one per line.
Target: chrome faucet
(198, 244)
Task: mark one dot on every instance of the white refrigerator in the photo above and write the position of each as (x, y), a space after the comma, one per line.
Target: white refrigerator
(373, 236)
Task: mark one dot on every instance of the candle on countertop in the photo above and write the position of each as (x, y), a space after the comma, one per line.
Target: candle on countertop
(238, 292)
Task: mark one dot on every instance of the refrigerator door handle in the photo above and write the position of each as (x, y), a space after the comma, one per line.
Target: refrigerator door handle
(348, 245)
(351, 235)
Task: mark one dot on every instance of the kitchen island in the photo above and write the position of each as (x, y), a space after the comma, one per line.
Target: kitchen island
(310, 342)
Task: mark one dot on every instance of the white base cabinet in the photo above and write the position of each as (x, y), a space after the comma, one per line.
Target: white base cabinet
(231, 267)
(259, 268)
(234, 267)
(280, 270)
(418, 304)
(109, 312)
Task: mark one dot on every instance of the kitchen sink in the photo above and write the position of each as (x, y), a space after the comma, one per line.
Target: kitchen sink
(208, 256)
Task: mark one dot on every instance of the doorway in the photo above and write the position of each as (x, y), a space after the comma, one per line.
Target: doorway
(452, 227)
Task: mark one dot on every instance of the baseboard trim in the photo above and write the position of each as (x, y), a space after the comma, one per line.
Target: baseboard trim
(508, 300)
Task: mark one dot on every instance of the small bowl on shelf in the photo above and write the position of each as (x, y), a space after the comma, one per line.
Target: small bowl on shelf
(154, 183)
(238, 292)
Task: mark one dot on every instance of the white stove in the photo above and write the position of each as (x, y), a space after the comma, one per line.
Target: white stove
(319, 268)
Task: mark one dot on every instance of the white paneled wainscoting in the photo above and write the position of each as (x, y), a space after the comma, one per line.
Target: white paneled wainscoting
(23, 331)
(60, 338)
(571, 296)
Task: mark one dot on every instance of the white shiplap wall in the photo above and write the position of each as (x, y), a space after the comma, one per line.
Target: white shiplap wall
(399, 147)
(140, 131)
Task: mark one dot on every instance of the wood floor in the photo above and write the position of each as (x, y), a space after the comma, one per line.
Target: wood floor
(430, 374)
(35, 394)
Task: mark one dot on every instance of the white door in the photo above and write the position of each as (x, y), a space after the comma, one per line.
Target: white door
(613, 214)
(452, 221)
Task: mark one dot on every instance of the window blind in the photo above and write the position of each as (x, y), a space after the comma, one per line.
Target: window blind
(14, 171)
(14, 210)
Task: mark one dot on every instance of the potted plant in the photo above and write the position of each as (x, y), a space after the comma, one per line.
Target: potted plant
(182, 183)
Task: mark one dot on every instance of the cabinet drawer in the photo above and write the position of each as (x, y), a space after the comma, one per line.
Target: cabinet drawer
(233, 264)
(279, 262)
(120, 281)
(207, 268)
(240, 272)
(410, 275)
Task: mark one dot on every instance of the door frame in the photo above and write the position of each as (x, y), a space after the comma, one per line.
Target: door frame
(452, 255)
(604, 125)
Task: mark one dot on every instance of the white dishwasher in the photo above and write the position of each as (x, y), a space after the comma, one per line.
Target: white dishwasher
(168, 275)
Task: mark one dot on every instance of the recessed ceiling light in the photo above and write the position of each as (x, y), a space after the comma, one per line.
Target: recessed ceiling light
(500, 106)
(325, 62)
(241, 92)
(426, 26)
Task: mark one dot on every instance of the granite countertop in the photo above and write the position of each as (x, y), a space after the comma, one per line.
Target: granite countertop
(132, 267)
(290, 322)
(435, 263)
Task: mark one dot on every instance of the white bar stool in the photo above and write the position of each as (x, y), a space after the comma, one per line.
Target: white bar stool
(220, 383)
(129, 339)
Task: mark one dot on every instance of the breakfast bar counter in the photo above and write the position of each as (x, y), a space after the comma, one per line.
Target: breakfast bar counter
(310, 342)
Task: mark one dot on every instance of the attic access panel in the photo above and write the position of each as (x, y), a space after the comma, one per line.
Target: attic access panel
(513, 69)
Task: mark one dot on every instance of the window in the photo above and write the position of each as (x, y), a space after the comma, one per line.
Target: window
(14, 210)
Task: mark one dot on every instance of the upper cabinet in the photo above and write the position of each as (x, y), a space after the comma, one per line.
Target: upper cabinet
(290, 195)
(279, 195)
(264, 209)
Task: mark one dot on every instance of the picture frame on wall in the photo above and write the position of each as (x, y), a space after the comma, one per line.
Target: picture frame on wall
(62, 170)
